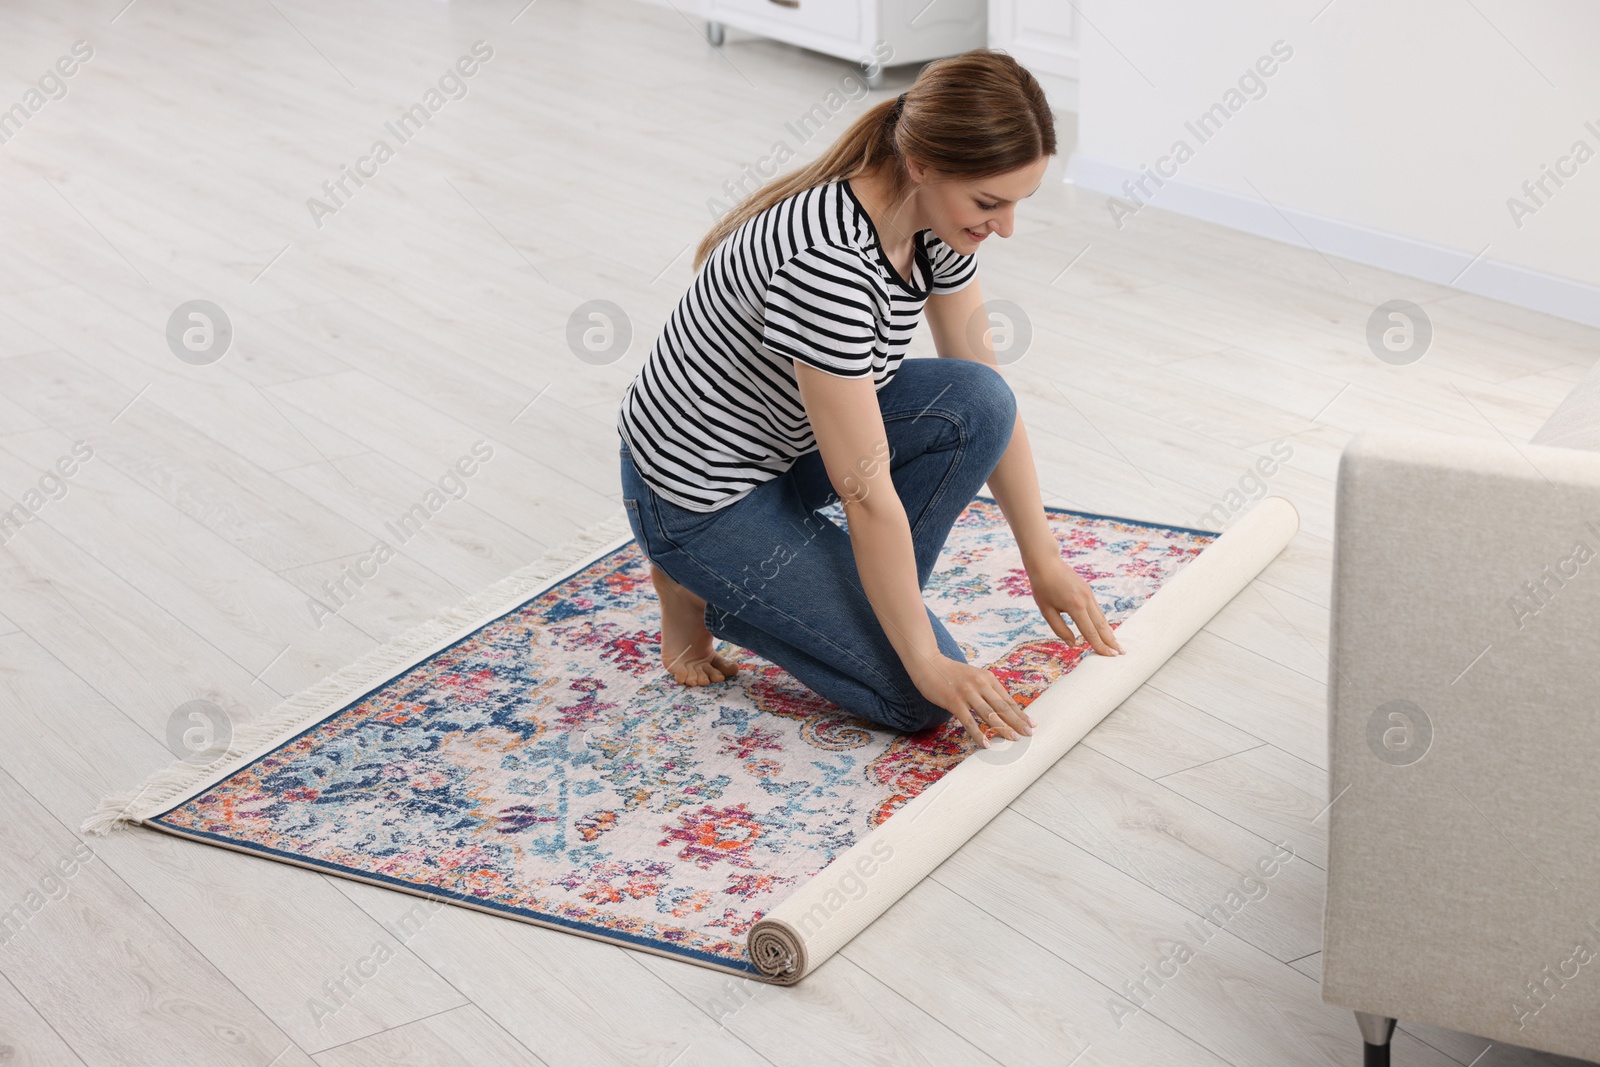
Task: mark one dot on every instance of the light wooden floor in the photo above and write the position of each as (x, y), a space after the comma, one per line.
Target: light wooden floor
(430, 313)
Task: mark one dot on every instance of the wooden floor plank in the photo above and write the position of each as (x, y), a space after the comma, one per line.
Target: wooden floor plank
(27, 1039)
(568, 1000)
(458, 1037)
(1018, 1002)
(1153, 956)
(1176, 847)
(1156, 734)
(104, 970)
(1266, 791)
(1247, 690)
(256, 618)
(840, 1012)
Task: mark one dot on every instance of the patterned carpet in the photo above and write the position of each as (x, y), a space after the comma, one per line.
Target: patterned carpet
(547, 768)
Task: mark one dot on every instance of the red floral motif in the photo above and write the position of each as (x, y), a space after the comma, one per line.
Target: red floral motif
(1031, 668)
(636, 653)
(1089, 574)
(1082, 539)
(638, 882)
(749, 886)
(1015, 582)
(1151, 567)
(469, 688)
(776, 692)
(580, 634)
(625, 580)
(745, 746)
(712, 835)
(578, 717)
(913, 762)
(738, 926)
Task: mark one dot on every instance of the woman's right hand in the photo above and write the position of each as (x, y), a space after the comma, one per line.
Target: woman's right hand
(963, 689)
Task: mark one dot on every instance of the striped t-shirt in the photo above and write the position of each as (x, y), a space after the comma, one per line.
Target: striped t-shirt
(715, 410)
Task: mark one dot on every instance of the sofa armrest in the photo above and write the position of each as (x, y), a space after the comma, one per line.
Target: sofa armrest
(1464, 734)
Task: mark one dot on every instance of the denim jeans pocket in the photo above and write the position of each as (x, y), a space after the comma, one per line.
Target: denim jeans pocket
(640, 536)
(679, 527)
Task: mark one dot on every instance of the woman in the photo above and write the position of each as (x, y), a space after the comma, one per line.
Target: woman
(778, 387)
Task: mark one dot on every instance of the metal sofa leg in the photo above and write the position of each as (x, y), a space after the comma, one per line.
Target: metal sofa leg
(1376, 1030)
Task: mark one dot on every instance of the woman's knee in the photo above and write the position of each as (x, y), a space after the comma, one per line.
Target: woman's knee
(984, 397)
(999, 400)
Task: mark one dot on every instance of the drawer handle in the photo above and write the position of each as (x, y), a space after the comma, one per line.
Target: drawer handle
(787, 3)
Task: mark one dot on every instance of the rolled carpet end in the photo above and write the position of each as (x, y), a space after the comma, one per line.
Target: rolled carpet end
(805, 929)
(777, 951)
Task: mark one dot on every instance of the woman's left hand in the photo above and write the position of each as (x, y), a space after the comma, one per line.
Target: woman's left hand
(1058, 589)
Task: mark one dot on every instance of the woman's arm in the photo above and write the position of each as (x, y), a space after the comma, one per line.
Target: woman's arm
(848, 426)
(960, 327)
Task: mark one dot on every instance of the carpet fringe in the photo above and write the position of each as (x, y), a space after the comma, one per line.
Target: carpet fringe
(166, 788)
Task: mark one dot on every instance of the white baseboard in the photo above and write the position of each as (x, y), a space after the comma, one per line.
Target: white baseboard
(1553, 294)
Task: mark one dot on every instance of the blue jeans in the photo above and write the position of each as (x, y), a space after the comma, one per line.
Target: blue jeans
(780, 579)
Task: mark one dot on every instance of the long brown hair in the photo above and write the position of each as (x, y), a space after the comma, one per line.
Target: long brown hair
(966, 117)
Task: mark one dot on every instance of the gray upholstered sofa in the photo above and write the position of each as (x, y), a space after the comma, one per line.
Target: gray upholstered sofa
(1464, 708)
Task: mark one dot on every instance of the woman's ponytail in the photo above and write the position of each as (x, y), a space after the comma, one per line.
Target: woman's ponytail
(966, 117)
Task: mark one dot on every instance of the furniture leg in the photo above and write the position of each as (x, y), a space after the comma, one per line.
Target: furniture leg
(1376, 1030)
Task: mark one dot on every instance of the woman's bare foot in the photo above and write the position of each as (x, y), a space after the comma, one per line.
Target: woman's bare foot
(687, 648)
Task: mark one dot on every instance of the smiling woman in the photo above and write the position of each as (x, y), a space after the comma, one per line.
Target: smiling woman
(777, 389)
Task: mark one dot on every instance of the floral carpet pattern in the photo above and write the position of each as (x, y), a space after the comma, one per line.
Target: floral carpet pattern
(546, 766)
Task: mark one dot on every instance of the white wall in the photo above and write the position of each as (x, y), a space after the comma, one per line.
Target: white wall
(1394, 135)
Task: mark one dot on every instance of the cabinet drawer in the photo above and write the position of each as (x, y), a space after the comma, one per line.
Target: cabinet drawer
(839, 19)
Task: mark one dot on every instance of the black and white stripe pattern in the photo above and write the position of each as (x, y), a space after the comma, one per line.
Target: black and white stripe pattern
(715, 411)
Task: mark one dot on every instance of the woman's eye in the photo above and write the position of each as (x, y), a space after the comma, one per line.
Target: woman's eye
(988, 207)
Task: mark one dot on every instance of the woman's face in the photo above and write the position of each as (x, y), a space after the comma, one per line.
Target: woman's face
(963, 213)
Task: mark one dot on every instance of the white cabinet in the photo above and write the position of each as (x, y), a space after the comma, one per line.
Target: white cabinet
(1044, 36)
(874, 33)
